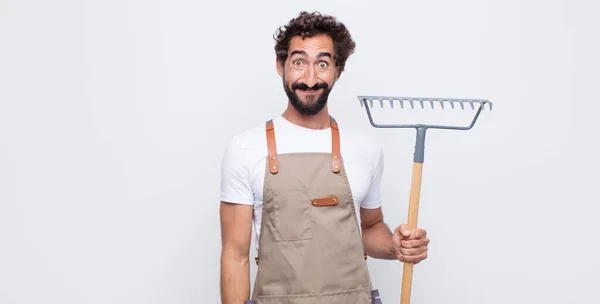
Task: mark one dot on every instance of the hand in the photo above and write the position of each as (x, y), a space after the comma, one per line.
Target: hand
(410, 245)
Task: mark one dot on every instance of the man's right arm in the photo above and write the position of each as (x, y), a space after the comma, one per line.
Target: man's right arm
(236, 235)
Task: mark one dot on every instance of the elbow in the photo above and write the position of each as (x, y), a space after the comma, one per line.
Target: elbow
(367, 226)
(234, 256)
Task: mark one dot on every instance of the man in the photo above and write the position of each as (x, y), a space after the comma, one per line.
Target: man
(310, 187)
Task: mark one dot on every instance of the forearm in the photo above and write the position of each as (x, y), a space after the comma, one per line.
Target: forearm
(235, 279)
(377, 240)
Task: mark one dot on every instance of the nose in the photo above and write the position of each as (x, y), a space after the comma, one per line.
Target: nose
(310, 76)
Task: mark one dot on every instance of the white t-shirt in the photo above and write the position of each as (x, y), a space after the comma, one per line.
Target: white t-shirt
(243, 163)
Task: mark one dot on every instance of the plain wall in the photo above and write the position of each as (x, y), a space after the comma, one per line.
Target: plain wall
(114, 116)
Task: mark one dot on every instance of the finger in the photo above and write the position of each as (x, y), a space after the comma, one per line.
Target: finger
(414, 243)
(418, 233)
(414, 259)
(412, 251)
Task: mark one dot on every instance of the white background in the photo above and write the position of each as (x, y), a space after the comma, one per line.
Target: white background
(114, 116)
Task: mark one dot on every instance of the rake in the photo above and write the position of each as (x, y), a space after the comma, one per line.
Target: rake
(415, 191)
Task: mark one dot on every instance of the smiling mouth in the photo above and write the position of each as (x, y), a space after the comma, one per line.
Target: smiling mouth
(309, 90)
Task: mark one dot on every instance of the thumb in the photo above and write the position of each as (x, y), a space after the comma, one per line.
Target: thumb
(403, 231)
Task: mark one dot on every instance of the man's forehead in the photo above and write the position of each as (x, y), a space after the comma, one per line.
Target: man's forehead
(311, 45)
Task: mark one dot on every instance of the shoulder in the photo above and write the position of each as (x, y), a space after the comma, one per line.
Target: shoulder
(243, 153)
(244, 149)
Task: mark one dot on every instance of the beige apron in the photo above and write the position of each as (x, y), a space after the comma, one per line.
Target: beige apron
(310, 247)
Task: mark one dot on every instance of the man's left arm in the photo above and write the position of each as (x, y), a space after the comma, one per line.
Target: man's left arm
(403, 244)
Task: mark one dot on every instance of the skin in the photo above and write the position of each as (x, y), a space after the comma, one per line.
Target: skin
(310, 61)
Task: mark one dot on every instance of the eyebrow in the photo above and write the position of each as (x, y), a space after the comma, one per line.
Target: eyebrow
(324, 54)
(300, 52)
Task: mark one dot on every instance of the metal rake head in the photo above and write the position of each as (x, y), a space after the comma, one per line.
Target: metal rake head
(368, 102)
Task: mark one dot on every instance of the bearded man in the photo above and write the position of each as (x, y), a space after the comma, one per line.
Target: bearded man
(310, 188)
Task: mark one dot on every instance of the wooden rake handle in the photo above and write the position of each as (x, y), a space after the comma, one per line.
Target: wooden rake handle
(413, 213)
(413, 208)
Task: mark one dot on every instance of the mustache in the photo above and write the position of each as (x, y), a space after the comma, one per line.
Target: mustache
(303, 86)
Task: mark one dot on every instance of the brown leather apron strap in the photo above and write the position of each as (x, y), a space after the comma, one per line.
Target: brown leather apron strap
(336, 163)
(272, 147)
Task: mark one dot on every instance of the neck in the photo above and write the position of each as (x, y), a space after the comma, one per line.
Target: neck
(318, 121)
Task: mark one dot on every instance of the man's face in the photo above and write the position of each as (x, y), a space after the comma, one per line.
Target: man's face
(309, 73)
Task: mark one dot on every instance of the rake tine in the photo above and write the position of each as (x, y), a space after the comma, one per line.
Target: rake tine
(392, 103)
(421, 102)
(472, 106)
(371, 102)
(401, 103)
(411, 103)
(431, 103)
(381, 102)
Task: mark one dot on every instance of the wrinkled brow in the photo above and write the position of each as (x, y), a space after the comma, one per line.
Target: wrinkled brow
(321, 54)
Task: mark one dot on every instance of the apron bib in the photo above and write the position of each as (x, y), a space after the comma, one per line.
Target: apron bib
(310, 246)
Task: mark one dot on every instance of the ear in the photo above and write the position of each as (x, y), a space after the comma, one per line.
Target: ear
(279, 65)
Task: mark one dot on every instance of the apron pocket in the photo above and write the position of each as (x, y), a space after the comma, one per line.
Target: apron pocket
(291, 215)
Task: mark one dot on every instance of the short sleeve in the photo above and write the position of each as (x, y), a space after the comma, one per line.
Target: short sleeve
(235, 175)
(373, 198)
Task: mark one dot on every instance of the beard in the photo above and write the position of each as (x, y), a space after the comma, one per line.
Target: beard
(313, 104)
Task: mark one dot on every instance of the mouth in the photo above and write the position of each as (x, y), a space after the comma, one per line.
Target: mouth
(309, 91)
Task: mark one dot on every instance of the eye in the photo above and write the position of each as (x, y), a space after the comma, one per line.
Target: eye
(297, 62)
(323, 64)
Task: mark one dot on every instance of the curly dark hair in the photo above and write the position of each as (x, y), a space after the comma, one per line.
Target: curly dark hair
(311, 24)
